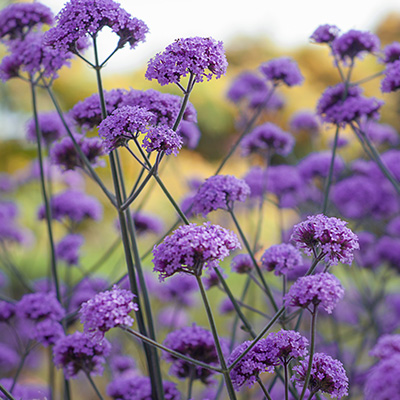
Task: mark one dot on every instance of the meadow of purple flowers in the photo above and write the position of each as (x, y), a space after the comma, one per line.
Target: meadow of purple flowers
(314, 316)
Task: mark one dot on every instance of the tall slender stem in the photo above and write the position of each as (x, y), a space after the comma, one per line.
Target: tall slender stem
(94, 386)
(263, 388)
(6, 393)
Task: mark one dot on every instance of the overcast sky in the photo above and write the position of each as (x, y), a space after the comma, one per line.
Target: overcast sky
(287, 22)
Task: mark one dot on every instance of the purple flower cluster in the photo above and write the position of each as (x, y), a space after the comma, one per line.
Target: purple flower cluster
(391, 53)
(219, 192)
(201, 57)
(281, 258)
(147, 223)
(198, 343)
(381, 134)
(386, 347)
(67, 249)
(107, 310)
(327, 375)
(82, 18)
(391, 81)
(305, 121)
(192, 247)
(50, 125)
(318, 164)
(268, 137)
(325, 34)
(329, 234)
(242, 263)
(288, 345)
(78, 352)
(282, 70)
(162, 139)
(322, 289)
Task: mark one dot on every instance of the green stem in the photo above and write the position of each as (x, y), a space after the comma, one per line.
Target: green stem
(94, 386)
(225, 371)
(263, 388)
(6, 393)
(190, 383)
(285, 370)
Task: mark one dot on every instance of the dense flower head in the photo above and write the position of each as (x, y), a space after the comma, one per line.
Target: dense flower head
(325, 34)
(50, 125)
(64, 154)
(391, 53)
(281, 258)
(387, 249)
(219, 192)
(192, 247)
(7, 310)
(67, 249)
(327, 375)
(256, 178)
(196, 342)
(139, 388)
(282, 70)
(122, 125)
(386, 347)
(268, 137)
(47, 332)
(242, 263)
(329, 234)
(146, 222)
(78, 352)
(74, 205)
(19, 18)
(339, 105)
(39, 306)
(107, 310)
(305, 121)
(382, 380)
(33, 57)
(189, 133)
(162, 139)
(322, 289)
(288, 344)
(318, 164)
(355, 43)
(82, 18)
(121, 363)
(393, 227)
(201, 57)
(381, 133)
(391, 81)
(179, 289)
(367, 256)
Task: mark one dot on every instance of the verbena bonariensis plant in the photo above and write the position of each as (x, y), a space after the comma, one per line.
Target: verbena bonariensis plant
(262, 339)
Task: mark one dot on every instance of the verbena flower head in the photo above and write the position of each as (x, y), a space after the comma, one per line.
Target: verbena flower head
(107, 310)
(189, 133)
(325, 34)
(39, 306)
(341, 107)
(139, 388)
(147, 223)
(261, 358)
(355, 43)
(74, 205)
(256, 178)
(329, 234)
(386, 347)
(82, 18)
(201, 57)
(305, 121)
(282, 70)
(267, 137)
(219, 192)
(288, 344)
(86, 289)
(391, 81)
(318, 164)
(47, 332)
(67, 249)
(7, 310)
(281, 258)
(242, 263)
(179, 289)
(322, 289)
(391, 53)
(381, 134)
(122, 125)
(327, 375)
(77, 352)
(50, 125)
(19, 18)
(192, 247)
(196, 342)
(162, 139)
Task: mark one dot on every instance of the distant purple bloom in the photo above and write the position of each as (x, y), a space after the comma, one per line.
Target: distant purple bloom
(196, 342)
(393, 227)
(226, 306)
(121, 363)
(242, 263)
(139, 388)
(39, 306)
(12, 233)
(322, 289)
(281, 258)
(77, 352)
(47, 332)
(74, 205)
(388, 249)
(211, 279)
(162, 139)
(391, 53)
(201, 57)
(123, 125)
(329, 234)
(82, 18)
(282, 70)
(325, 33)
(340, 106)
(381, 133)
(267, 138)
(386, 347)
(192, 247)
(66, 157)
(219, 192)
(318, 164)
(107, 310)
(50, 125)
(7, 311)
(7, 183)
(256, 178)
(19, 18)
(327, 375)
(305, 121)
(67, 249)
(391, 81)
(178, 289)
(9, 358)
(367, 256)
(190, 134)
(147, 223)
(355, 43)
(25, 391)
